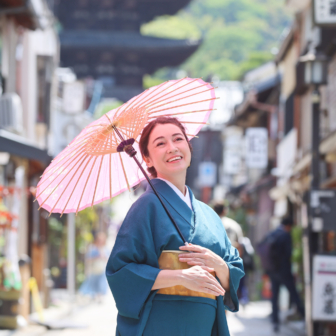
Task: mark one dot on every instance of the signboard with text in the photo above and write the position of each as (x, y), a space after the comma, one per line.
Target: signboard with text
(323, 205)
(207, 174)
(324, 288)
(233, 150)
(325, 12)
(256, 147)
(286, 155)
(73, 97)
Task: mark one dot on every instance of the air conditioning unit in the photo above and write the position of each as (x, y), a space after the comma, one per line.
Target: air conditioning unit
(11, 114)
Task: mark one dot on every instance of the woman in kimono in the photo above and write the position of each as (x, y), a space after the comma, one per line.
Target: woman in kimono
(133, 271)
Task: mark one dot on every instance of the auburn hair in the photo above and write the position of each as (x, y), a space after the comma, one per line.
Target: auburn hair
(143, 143)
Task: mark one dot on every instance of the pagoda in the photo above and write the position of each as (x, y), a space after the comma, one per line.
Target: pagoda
(101, 39)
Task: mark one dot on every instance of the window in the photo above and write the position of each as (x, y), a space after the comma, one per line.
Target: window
(289, 113)
(44, 78)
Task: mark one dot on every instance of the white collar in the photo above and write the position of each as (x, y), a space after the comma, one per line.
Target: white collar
(185, 198)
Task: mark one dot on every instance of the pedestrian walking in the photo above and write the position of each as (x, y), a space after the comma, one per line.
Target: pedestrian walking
(95, 285)
(276, 249)
(135, 278)
(233, 229)
(242, 244)
(247, 255)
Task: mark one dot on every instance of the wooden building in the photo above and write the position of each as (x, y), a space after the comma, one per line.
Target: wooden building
(101, 39)
(29, 55)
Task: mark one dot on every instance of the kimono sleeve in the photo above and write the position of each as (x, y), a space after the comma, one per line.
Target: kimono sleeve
(236, 270)
(133, 267)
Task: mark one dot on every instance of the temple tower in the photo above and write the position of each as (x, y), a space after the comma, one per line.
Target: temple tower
(101, 39)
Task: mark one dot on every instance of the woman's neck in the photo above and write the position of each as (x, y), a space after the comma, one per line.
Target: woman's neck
(177, 180)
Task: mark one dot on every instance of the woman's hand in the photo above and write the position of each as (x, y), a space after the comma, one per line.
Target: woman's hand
(202, 256)
(199, 279)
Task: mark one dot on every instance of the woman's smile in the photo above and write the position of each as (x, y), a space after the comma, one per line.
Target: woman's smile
(169, 151)
(175, 159)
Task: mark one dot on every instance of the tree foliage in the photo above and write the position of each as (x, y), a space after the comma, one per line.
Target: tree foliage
(237, 35)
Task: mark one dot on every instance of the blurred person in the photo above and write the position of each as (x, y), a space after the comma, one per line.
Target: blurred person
(233, 229)
(138, 284)
(242, 244)
(95, 285)
(247, 254)
(279, 268)
(61, 279)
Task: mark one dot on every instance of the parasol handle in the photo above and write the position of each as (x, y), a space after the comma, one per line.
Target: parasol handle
(160, 199)
(126, 145)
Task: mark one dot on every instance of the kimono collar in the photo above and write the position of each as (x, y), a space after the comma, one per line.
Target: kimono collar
(173, 199)
(185, 198)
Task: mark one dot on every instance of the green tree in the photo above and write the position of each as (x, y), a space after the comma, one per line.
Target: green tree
(105, 106)
(237, 35)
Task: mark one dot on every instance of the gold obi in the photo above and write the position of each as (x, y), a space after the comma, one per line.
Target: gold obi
(169, 260)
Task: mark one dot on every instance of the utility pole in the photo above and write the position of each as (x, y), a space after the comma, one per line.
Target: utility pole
(313, 237)
(315, 75)
(71, 265)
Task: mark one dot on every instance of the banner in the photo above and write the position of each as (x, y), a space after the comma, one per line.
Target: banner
(256, 147)
(324, 288)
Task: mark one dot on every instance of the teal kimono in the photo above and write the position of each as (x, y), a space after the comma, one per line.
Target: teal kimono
(133, 267)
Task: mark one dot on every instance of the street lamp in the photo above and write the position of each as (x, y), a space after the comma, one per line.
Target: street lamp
(315, 74)
(315, 69)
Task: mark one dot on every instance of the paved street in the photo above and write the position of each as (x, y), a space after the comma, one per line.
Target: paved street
(100, 318)
(253, 320)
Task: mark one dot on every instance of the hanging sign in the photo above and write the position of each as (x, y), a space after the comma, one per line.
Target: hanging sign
(207, 174)
(233, 150)
(324, 288)
(256, 147)
(325, 12)
(73, 97)
(323, 206)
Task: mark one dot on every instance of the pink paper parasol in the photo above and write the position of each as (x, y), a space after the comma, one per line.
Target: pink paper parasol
(91, 170)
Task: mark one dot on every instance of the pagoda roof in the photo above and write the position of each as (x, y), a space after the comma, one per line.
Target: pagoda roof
(97, 53)
(148, 9)
(93, 11)
(122, 92)
(124, 41)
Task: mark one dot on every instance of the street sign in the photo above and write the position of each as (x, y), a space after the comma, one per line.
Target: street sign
(256, 147)
(286, 155)
(207, 174)
(323, 205)
(73, 97)
(325, 12)
(233, 150)
(324, 288)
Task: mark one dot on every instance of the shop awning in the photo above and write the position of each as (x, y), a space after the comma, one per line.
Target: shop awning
(328, 145)
(258, 94)
(19, 146)
(27, 13)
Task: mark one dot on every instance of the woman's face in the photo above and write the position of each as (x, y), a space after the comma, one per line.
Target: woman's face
(168, 149)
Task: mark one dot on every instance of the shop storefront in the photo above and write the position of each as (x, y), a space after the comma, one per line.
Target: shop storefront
(20, 230)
